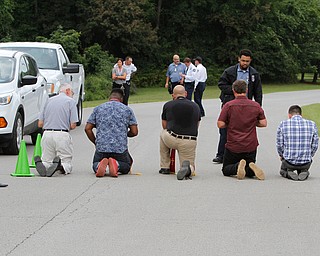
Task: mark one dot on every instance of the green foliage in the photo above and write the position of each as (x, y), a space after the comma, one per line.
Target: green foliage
(97, 87)
(70, 40)
(6, 19)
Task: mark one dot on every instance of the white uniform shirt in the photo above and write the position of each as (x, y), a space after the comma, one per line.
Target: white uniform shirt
(201, 74)
(190, 73)
(130, 69)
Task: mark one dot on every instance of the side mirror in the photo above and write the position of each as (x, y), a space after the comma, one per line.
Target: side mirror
(71, 68)
(27, 80)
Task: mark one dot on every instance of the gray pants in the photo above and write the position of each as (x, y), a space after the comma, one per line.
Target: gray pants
(286, 166)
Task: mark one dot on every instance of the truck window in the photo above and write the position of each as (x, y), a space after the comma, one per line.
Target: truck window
(63, 59)
(45, 57)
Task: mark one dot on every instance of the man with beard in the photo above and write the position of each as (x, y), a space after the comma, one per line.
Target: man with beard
(240, 71)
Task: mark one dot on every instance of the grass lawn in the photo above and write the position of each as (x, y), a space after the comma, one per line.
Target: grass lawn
(312, 112)
(212, 92)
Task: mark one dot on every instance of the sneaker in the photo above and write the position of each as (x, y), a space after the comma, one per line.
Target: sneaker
(102, 167)
(41, 169)
(217, 160)
(303, 175)
(241, 172)
(257, 171)
(164, 171)
(292, 175)
(185, 171)
(54, 166)
(113, 167)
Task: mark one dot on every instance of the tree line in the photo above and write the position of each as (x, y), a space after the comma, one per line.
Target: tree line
(283, 35)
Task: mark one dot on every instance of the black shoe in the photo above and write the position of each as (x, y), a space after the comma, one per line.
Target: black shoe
(164, 171)
(41, 169)
(218, 160)
(2, 185)
(185, 171)
(54, 166)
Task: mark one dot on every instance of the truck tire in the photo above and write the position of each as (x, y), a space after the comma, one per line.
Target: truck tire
(79, 109)
(17, 136)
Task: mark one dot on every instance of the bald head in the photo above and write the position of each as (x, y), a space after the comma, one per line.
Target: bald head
(179, 90)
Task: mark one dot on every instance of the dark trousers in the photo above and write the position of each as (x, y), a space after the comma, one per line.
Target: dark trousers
(222, 142)
(126, 91)
(171, 86)
(286, 166)
(189, 86)
(124, 160)
(198, 96)
(231, 161)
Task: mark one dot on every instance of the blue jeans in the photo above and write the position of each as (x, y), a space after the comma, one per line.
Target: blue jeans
(124, 160)
(198, 96)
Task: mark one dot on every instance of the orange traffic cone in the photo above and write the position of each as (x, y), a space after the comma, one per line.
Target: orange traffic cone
(37, 151)
(22, 167)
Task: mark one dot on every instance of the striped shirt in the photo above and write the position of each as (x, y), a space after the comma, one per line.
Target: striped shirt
(297, 140)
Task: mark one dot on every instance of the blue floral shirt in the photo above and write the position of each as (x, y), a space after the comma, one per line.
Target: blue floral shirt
(112, 120)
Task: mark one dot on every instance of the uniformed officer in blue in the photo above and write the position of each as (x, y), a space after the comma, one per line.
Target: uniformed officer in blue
(175, 69)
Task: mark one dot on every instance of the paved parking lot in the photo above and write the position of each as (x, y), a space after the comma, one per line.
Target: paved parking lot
(155, 214)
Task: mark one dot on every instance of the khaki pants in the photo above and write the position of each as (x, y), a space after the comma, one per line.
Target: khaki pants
(186, 149)
(56, 143)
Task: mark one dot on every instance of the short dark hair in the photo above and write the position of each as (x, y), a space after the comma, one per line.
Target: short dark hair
(119, 59)
(295, 110)
(187, 60)
(245, 52)
(117, 93)
(239, 86)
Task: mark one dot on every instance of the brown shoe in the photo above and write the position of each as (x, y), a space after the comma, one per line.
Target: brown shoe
(241, 172)
(102, 167)
(257, 171)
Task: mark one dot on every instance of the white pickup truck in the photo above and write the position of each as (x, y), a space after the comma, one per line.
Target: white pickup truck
(55, 66)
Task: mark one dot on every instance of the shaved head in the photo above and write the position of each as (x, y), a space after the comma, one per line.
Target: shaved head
(179, 90)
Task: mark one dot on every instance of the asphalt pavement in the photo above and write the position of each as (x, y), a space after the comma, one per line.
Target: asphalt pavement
(153, 214)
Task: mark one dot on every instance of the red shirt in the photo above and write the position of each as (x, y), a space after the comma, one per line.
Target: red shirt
(241, 116)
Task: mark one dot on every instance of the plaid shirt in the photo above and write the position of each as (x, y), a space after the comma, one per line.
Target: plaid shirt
(297, 140)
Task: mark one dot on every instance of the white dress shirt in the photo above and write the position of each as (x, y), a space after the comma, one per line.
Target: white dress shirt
(200, 75)
(190, 73)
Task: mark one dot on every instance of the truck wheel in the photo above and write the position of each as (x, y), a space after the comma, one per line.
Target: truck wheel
(79, 108)
(17, 136)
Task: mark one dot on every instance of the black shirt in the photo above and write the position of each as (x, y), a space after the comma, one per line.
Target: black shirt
(182, 116)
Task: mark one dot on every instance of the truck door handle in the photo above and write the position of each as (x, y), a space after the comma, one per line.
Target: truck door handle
(33, 90)
(70, 78)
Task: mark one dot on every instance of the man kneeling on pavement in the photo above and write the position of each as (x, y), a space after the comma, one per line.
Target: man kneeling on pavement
(58, 117)
(297, 143)
(180, 122)
(114, 123)
(241, 116)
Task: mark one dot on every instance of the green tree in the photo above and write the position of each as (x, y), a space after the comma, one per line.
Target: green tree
(6, 19)
(70, 40)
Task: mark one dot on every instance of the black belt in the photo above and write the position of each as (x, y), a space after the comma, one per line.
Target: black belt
(182, 136)
(56, 130)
